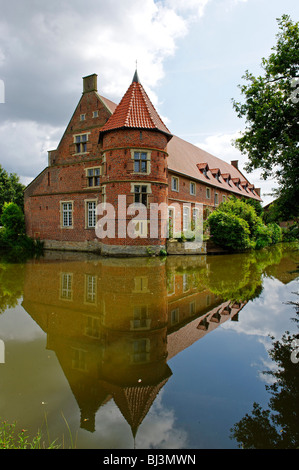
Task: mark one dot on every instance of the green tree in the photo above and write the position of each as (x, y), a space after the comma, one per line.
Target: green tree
(11, 189)
(276, 427)
(271, 110)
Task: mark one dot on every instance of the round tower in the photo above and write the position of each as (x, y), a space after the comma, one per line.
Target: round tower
(134, 177)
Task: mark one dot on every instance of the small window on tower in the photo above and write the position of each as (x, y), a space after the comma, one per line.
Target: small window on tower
(140, 162)
(140, 194)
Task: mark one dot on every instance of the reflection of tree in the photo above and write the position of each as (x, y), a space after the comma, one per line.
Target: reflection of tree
(11, 285)
(276, 427)
(239, 278)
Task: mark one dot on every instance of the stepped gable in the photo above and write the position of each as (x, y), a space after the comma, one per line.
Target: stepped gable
(135, 110)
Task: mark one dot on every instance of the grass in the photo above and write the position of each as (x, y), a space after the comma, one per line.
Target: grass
(10, 438)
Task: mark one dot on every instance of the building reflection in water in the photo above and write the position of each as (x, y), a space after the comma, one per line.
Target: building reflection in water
(114, 323)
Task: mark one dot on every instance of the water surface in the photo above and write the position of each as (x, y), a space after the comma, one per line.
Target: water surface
(145, 353)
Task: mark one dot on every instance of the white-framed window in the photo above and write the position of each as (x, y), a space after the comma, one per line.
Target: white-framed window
(192, 188)
(90, 288)
(91, 213)
(174, 183)
(95, 114)
(82, 117)
(216, 199)
(186, 218)
(208, 193)
(80, 141)
(93, 176)
(66, 209)
(66, 286)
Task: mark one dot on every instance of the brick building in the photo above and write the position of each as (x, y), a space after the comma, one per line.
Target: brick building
(124, 156)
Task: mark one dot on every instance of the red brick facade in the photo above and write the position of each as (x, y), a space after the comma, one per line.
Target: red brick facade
(109, 151)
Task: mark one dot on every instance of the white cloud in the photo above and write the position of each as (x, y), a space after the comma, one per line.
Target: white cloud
(221, 146)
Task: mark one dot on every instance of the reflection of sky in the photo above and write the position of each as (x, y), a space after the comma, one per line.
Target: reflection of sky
(268, 314)
(159, 430)
(26, 330)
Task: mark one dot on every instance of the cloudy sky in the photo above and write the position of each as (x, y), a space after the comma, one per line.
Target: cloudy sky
(191, 56)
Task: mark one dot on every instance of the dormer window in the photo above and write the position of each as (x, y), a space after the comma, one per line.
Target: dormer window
(216, 173)
(203, 168)
(236, 181)
(226, 177)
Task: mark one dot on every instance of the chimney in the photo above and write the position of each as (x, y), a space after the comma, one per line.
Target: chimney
(235, 163)
(90, 83)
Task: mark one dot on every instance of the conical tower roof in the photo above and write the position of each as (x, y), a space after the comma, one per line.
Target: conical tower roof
(136, 111)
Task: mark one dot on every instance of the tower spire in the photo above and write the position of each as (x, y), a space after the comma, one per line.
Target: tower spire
(136, 78)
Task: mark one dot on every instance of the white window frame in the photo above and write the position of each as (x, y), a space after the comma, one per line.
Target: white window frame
(91, 211)
(175, 179)
(67, 208)
(186, 221)
(192, 185)
(208, 193)
(82, 117)
(66, 286)
(95, 114)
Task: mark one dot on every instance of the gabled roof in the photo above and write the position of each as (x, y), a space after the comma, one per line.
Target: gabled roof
(135, 110)
(189, 160)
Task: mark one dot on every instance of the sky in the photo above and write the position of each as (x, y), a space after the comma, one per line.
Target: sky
(191, 56)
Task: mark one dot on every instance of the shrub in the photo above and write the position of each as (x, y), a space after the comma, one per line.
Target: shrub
(276, 233)
(262, 236)
(229, 231)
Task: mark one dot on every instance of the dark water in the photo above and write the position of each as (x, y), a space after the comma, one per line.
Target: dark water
(145, 353)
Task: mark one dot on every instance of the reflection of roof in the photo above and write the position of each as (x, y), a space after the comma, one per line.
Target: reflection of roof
(135, 402)
(135, 110)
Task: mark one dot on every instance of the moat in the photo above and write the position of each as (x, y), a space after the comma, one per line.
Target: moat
(145, 353)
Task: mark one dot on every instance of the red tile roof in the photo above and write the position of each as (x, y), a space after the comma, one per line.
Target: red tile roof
(136, 111)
